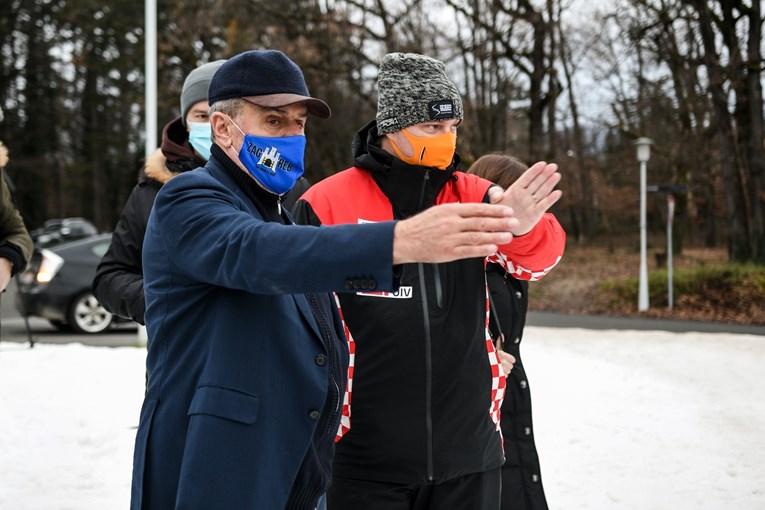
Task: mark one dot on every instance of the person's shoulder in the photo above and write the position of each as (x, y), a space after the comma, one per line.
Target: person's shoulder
(155, 169)
(339, 181)
(198, 177)
(198, 182)
(330, 188)
(471, 178)
(187, 193)
(142, 197)
(471, 186)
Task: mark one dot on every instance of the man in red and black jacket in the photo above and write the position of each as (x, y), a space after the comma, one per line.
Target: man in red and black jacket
(421, 413)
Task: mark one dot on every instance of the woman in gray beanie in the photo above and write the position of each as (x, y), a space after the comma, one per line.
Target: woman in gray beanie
(118, 284)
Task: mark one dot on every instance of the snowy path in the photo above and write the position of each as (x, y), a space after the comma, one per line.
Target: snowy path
(624, 420)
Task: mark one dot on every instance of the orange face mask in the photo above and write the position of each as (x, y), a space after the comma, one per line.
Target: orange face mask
(437, 151)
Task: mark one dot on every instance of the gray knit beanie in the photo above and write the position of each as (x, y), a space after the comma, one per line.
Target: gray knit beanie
(195, 86)
(413, 89)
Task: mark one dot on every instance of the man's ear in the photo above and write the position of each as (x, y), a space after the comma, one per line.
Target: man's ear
(221, 134)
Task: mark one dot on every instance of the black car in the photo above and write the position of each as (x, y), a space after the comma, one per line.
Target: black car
(61, 230)
(56, 286)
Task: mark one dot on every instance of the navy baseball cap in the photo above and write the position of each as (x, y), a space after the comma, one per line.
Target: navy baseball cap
(267, 78)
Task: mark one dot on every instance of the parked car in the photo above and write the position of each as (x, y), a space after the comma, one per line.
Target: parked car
(56, 286)
(60, 230)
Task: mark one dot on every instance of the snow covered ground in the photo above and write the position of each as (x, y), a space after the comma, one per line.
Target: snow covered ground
(624, 420)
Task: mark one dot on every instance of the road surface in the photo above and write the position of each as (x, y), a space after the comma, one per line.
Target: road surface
(13, 328)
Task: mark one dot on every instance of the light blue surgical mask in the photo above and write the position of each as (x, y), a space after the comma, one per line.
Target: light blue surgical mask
(276, 162)
(200, 137)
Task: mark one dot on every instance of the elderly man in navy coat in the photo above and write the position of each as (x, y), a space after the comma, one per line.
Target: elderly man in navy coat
(247, 359)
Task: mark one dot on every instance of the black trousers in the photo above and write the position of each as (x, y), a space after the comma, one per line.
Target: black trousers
(476, 491)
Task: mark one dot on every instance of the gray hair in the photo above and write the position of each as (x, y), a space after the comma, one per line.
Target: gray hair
(233, 108)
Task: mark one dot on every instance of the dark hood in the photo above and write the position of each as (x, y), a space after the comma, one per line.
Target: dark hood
(410, 188)
(174, 156)
(177, 149)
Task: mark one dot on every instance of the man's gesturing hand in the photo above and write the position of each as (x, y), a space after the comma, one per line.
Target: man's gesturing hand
(530, 196)
(452, 231)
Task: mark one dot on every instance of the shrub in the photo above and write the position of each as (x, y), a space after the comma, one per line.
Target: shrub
(715, 292)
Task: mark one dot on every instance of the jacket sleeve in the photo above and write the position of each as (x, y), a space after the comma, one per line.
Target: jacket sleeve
(118, 284)
(15, 243)
(211, 236)
(532, 255)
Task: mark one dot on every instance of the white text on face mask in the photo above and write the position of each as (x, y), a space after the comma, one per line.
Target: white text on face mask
(256, 151)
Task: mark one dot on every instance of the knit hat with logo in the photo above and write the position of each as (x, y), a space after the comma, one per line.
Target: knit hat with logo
(413, 89)
(195, 86)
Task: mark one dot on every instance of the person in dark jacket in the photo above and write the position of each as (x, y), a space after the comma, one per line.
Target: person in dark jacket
(186, 141)
(118, 284)
(521, 477)
(421, 426)
(16, 245)
(246, 353)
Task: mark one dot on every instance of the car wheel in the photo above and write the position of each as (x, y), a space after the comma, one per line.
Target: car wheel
(86, 315)
(60, 325)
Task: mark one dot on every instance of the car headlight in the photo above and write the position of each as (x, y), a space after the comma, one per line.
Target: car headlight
(50, 265)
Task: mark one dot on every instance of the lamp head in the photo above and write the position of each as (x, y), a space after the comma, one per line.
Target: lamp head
(643, 149)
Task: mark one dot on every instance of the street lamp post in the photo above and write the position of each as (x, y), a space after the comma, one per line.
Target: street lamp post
(643, 155)
(670, 219)
(150, 91)
(150, 87)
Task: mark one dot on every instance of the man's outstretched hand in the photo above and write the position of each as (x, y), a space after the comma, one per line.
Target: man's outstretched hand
(448, 232)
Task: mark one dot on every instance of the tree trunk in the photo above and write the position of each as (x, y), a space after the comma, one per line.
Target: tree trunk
(739, 247)
(537, 106)
(756, 133)
(586, 203)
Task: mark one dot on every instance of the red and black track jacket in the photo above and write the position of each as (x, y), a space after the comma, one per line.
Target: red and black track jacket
(425, 385)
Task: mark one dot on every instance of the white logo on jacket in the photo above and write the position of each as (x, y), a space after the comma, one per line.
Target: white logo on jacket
(401, 293)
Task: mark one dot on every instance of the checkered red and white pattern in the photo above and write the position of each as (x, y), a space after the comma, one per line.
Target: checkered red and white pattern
(519, 272)
(345, 418)
(498, 376)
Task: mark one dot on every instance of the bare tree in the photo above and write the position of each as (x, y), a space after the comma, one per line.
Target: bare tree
(740, 133)
(585, 197)
(520, 37)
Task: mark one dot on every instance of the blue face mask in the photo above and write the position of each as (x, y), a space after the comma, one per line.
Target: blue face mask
(200, 137)
(276, 162)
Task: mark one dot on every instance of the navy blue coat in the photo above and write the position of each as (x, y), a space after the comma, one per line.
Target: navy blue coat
(235, 383)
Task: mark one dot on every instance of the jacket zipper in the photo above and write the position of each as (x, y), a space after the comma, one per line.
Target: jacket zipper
(439, 291)
(428, 375)
(428, 353)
